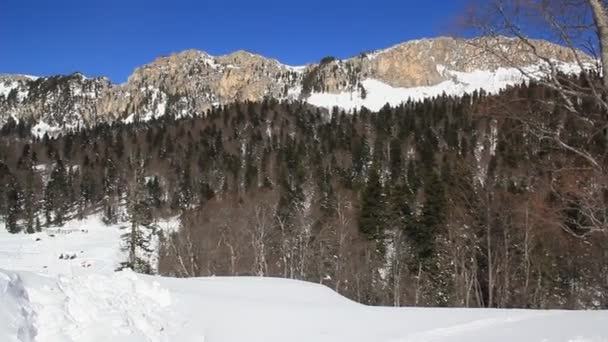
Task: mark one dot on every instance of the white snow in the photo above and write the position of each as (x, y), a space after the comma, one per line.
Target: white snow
(376, 53)
(6, 87)
(95, 245)
(156, 108)
(379, 93)
(168, 225)
(41, 128)
(209, 60)
(22, 94)
(47, 299)
(296, 68)
(124, 306)
(16, 313)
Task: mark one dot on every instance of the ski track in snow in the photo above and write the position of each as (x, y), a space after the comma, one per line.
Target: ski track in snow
(459, 329)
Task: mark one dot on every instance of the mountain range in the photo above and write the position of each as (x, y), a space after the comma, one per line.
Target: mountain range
(192, 82)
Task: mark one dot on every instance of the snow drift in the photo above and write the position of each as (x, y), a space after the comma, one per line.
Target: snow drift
(52, 299)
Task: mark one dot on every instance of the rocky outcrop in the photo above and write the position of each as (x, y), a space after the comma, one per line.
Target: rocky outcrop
(423, 62)
(191, 82)
(61, 101)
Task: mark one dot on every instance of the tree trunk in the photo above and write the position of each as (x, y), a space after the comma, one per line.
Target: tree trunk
(600, 17)
(490, 259)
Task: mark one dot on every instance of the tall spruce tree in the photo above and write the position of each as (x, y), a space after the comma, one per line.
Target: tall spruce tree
(424, 231)
(14, 201)
(372, 214)
(140, 229)
(30, 204)
(110, 192)
(56, 201)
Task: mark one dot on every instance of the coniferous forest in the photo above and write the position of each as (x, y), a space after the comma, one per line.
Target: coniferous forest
(445, 202)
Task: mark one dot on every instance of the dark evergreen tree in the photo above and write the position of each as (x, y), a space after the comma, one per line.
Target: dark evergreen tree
(424, 232)
(140, 228)
(372, 215)
(14, 207)
(30, 202)
(56, 195)
(110, 192)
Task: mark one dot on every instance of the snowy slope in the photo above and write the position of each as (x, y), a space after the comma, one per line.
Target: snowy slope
(128, 307)
(379, 93)
(94, 245)
(68, 301)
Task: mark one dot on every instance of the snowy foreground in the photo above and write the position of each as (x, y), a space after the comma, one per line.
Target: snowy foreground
(80, 298)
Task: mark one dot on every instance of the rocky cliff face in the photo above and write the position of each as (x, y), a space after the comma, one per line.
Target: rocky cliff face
(426, 59)
(191, 82)
(428, 62)
(57, 102)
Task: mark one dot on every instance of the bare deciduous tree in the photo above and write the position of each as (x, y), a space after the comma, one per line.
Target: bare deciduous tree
(581, 106)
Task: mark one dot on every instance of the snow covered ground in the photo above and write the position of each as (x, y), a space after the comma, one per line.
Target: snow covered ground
(77, 247)
(49, 299)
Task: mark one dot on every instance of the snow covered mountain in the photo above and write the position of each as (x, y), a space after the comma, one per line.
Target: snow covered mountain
(191, 82)
(47, 297)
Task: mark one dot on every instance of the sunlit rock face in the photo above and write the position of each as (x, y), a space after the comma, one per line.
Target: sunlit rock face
(191, 82)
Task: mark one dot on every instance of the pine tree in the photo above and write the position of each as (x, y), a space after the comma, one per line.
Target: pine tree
(184, 196)
(423, 232)
(154, 192)
(88, 193)
(30, 205)
(361, 156)
(400, 207)
(139, 232)
(412, 177)
(14, 204)
(110, 192)
(29, 202)
(56, 195)
(396, 165)
(372, 214)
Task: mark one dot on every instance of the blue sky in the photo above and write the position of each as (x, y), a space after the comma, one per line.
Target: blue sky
(112, 37)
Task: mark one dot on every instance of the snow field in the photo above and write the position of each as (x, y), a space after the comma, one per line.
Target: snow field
(47, 299)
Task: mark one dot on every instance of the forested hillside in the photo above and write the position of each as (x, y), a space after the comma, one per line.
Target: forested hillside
(444, 202)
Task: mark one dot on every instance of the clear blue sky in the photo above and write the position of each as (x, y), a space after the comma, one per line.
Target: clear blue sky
(112, 37)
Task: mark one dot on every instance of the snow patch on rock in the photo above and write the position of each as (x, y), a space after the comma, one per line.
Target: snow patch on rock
(378, 93)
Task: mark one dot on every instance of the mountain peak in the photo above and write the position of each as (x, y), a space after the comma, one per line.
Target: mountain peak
(192, 81)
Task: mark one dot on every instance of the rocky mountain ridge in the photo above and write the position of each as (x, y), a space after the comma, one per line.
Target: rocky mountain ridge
(191, 82)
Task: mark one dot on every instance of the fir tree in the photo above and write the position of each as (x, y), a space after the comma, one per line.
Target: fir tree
(30, 205)
(56, 195)
(424, 231)
(139, 232)
(29, 202)
(110, 193)
(14, 206)
(371, 217)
